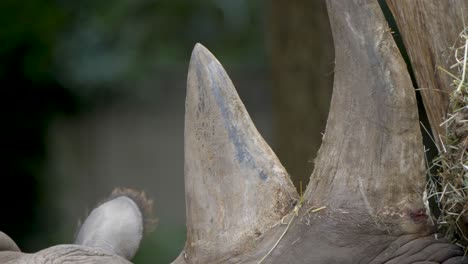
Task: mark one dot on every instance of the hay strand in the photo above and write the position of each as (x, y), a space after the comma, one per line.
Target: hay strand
(449, 186)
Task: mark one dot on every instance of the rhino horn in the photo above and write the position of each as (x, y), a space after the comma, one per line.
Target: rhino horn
(371, 157)
(235, 186)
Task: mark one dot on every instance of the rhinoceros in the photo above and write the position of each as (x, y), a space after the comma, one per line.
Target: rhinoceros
(365, 200)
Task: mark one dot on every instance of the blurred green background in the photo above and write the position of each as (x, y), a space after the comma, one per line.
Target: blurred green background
(93, 98)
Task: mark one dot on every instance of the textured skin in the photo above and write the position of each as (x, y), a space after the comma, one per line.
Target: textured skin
(62, 254)
(411, 249)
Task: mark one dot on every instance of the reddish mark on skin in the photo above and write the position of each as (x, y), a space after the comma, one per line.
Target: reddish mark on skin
(418, 215)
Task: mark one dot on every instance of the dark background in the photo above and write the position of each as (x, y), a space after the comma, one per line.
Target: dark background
(93, 98)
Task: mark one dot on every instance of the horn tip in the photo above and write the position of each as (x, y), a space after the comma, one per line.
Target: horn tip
(201, 53)
(199, 48)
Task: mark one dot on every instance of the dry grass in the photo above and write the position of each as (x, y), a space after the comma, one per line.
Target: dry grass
(449, 186)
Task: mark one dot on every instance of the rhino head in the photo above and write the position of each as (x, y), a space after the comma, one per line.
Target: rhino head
(110, 234)
(365, 200)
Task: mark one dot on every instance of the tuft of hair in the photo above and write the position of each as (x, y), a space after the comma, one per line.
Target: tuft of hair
(144, 204)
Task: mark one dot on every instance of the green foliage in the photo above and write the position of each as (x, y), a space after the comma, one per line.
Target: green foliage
(29, 30)
(161, 246)
(121, 44)
(30, 96)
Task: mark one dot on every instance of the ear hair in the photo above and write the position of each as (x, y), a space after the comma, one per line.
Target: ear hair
(144, 204)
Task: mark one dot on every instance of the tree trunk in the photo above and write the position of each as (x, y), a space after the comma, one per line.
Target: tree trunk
(302, 71)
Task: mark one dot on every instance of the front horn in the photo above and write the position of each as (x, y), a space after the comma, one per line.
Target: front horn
(235, 186)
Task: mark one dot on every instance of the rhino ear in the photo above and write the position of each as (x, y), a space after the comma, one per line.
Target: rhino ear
(7, 244)
(117, 225)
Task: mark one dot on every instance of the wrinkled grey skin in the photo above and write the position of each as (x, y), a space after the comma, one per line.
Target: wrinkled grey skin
(63, 254)
(318, 244)
(110, 234)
